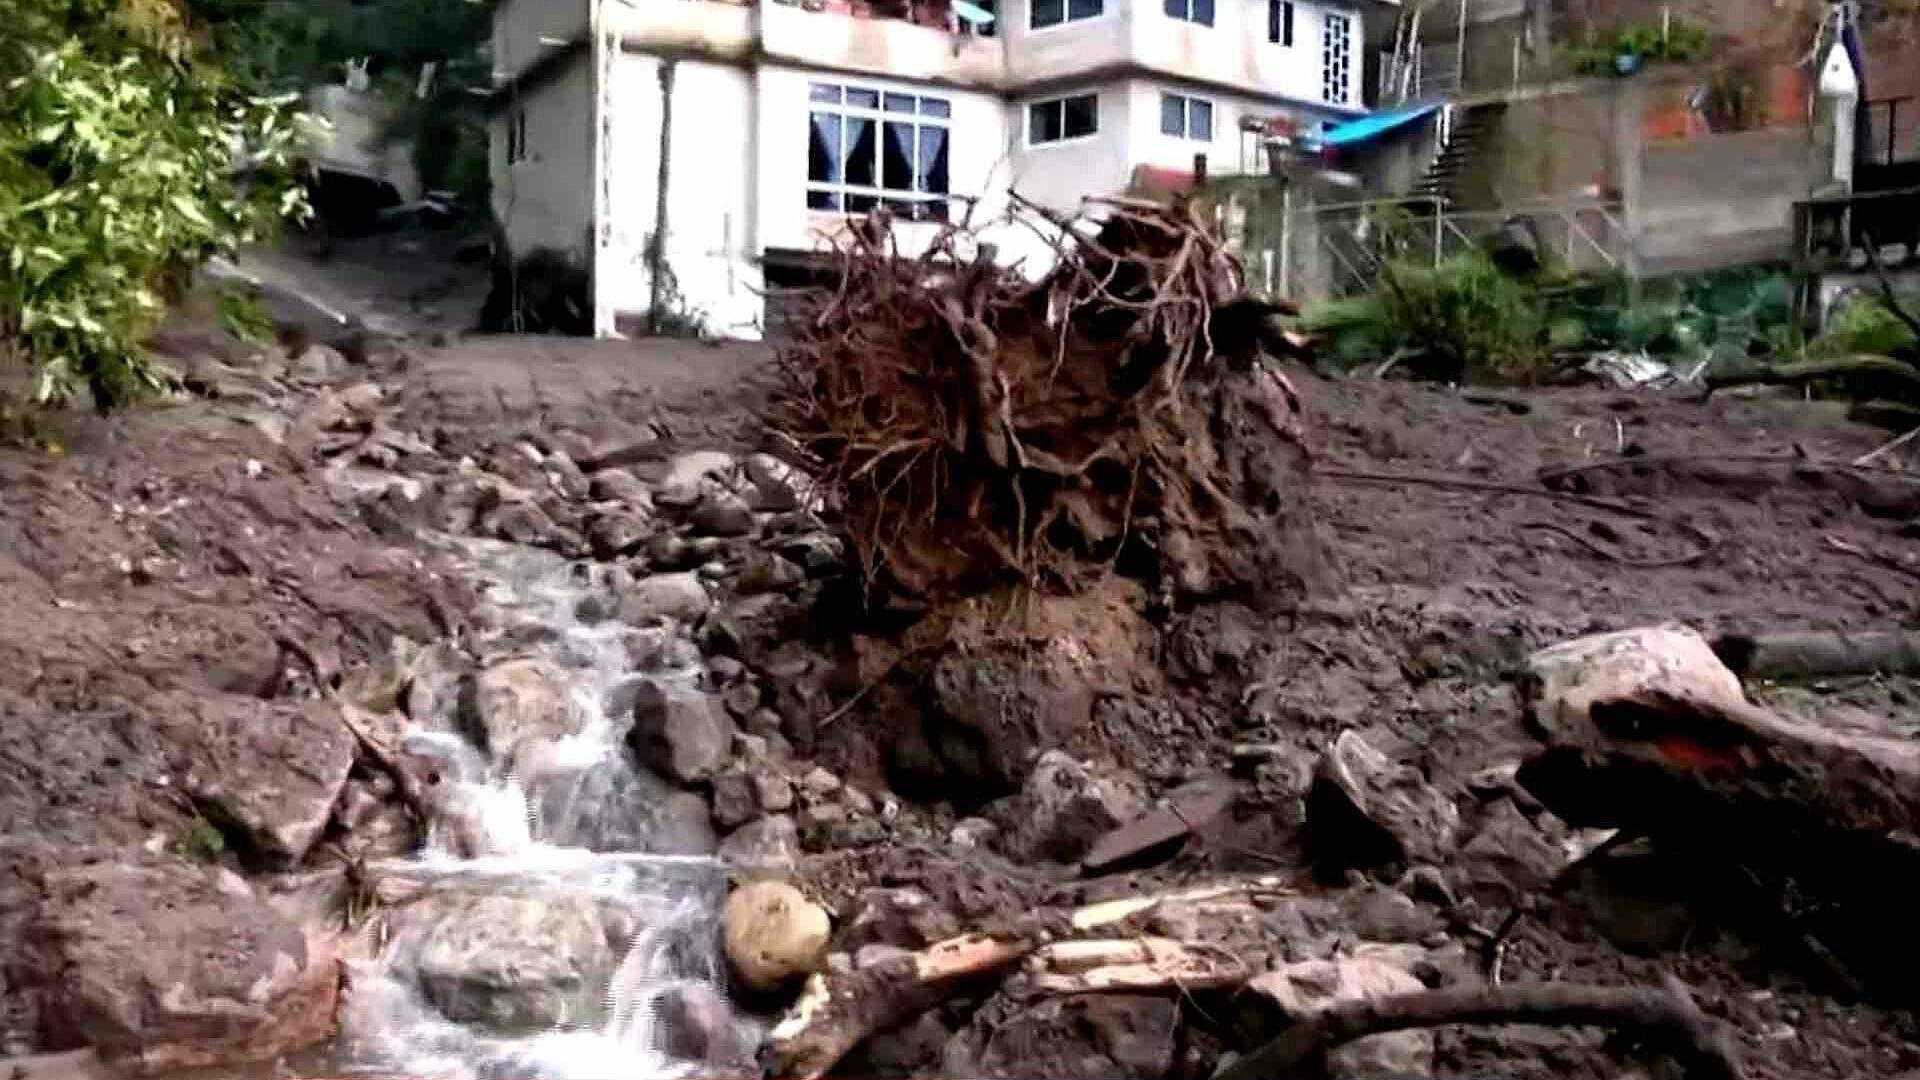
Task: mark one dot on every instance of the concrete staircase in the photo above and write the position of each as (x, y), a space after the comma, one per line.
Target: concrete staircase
(1463, 130)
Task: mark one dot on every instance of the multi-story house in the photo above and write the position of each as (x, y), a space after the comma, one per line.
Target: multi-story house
(688, 151)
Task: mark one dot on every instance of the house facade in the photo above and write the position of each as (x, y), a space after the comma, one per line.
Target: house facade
(687, 150)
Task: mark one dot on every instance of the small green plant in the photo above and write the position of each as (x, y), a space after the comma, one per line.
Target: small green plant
(1680, 41)
(201, 841)
(1862, 324)
(1464, 317)
(243, 315)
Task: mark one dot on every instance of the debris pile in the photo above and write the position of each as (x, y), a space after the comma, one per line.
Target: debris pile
(974, 427)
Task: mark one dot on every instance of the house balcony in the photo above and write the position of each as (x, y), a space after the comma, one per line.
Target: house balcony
(910, 39)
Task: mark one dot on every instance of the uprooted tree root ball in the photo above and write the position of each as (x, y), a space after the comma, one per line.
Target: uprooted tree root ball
(1122, 413)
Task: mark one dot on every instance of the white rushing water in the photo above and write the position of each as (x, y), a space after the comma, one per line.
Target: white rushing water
(556, 934)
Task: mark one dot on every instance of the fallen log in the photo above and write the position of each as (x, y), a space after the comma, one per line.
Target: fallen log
(1672, 753)
(1815, 654)
(1666, 1014)
(838, 1010)
(1878, 375)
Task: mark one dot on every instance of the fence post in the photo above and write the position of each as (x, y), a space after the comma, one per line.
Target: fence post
(1286, 239)
(1439, 228)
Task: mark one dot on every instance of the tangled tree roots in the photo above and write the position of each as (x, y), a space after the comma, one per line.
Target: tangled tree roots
(1123, 412)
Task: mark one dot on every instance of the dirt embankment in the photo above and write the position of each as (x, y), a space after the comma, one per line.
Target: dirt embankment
(187, 585)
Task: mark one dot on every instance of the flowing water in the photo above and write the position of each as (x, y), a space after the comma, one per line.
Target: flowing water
(558, 932)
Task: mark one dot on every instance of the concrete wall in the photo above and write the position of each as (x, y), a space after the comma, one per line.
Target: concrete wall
(711, 244)
(1721, 200)
(1058, 174)
(353, 143)
(546, 199)
(518, 26)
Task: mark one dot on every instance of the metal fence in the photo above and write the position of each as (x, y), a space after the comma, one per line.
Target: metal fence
(1330, 250)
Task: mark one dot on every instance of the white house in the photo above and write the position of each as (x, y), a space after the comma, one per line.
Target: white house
(751, 129)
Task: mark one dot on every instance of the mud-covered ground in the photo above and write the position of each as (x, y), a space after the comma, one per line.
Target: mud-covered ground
(193, 554)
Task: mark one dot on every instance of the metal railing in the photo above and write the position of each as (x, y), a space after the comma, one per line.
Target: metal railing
(1338, 249)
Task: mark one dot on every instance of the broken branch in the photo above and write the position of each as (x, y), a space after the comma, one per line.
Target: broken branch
(1667, 1014)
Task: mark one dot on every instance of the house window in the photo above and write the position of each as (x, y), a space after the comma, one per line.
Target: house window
(867, 148)
(1062, 119)
(1280, 22)
(1045, 13)
(1336, 59)
(1193, 11)
(516, 136)
(1186, 117)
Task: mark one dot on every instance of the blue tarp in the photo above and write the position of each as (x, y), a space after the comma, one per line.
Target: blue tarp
(973, 13)
(1355, 132)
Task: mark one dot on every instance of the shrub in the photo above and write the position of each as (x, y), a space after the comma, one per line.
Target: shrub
(1862, 324)
(1463, 319)
(125, 160)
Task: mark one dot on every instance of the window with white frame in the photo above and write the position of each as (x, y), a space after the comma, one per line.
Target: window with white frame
(871, 147)
(516, 136)
(1186, 117)
(1193, 11)
(1061, 119)
(1280, 22)
(1336, 58)
(1044, 13)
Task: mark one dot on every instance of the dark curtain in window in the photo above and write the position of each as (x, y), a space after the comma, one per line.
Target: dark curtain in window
(1280, 22)
(1176, 9)
(1173, 115)
(1043, 121)
(1084, 9)
(1203, 12)
(933, 161)
(823, 149)
(896, 157)
(1048, 12)
(1200, 121)
(861, 152)
(1081, 116)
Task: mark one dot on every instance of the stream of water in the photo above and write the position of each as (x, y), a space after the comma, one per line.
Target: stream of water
(556, 935)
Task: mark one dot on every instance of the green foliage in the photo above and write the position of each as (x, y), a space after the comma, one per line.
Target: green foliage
(201, 841)
(1680, 42)
(1719, 316)
(1862, 324)
(244, 316)
(1466, 315)
(125, 160)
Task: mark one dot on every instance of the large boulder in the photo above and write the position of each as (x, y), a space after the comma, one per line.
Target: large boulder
(1064, 806)
(1297, 991)
(680, 730)
(165, 964)
(1088, 1037)
(270, 770)
(1668, 661)
(768, 844)
(521, 700)
(691, 475)
(1366, 811)
(774, 934)
(508, 962)
(679, 597)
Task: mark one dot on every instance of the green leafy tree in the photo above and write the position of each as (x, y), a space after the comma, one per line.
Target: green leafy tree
(127, 157)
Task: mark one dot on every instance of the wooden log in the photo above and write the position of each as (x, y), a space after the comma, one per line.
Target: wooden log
(1816, 654)
(1667, 1013)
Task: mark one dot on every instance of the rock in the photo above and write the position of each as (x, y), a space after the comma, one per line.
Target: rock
(433, 689)
(1508, 859)
(1064, 807)
(904, 918)
(510, 963)
(972, 833)
(768, 843)
(565, 476)
(380, 684)
(733, 801)
(902, 1051)
(818, 781)
(1297, 991)
(1159, 832)
(613, 533)
(611, 806)
(683, 826)
(776, 485)
(766, 572)
(694, 1022)
(1364, 811)
(679, 730)
(1377, 913)
(158, 966)
(1089, 1037)
(818, 554)
(519, 521)
(271, 770)
(771, 791)
(619, 486)
(687, 477)
(659, 649)
(752, 628)
(1670, 660)
(520, 700)
(742, 699)
(721, 514)
(773, 934)
(679, 597)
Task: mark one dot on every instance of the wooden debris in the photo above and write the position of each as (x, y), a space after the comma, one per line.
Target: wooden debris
(1667, 1013)
(1816, 654)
